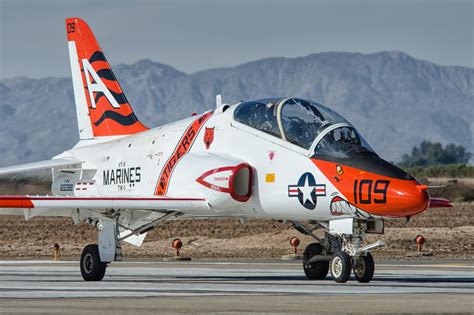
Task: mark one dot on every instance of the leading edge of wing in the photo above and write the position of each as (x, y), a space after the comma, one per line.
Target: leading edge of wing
(38, 166)
(104, 203)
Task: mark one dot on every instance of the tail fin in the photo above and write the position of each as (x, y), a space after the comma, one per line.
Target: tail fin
(101, 106)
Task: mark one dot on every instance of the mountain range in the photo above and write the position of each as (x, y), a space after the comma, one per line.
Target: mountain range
(393, 99)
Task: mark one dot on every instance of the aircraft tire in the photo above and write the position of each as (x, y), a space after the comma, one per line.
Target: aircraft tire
(317, 270)
(364, 268)
(341, 267)
(92, 268)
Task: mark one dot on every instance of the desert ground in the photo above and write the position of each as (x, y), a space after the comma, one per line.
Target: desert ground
(449, 234)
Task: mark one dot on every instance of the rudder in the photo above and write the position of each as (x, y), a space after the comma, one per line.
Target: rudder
(102, 108)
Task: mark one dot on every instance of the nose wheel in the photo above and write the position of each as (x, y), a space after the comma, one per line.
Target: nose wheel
(364, 268)
(341, 267)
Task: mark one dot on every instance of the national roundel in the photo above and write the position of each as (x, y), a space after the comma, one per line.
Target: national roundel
(307, 191)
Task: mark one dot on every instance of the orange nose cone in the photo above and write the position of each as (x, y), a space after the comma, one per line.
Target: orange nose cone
(407, 199)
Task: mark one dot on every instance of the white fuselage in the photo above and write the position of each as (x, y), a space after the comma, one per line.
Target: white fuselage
(136, 162)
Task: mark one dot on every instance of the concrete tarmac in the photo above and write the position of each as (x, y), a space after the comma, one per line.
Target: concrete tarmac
(233, 287)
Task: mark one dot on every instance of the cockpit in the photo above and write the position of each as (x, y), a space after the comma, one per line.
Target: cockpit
(304, 123)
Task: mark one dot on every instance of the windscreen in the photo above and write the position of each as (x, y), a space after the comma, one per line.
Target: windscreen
(342, 142)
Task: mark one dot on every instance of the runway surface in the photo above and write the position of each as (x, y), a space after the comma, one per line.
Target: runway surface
(266, 286)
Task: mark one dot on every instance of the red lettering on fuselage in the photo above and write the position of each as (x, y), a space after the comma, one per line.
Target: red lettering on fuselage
(183, 147)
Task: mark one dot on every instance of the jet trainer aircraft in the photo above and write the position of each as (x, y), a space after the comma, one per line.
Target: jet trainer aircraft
(277, 158)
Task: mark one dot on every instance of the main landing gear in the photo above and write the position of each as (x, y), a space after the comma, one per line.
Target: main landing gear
(95, 258)
(340, 254)
(114, 228)
(314, 269)
(92, 268)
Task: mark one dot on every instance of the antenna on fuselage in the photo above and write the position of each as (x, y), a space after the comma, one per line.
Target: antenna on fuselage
(220, 107)
(218, 100)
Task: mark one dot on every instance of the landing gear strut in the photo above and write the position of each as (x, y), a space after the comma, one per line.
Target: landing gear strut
(114, 227)
(94, 258)
(341, 253)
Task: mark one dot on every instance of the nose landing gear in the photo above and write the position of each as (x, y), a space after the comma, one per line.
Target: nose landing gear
(341, 265)
(364, 268)
(340, 253)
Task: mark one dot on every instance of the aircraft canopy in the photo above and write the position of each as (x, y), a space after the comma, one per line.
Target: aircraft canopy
(304, 123)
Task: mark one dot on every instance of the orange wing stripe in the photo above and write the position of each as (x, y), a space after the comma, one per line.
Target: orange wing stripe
(16, 202)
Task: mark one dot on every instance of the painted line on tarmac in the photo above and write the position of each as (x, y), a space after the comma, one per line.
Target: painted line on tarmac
(227, 263)
(453, 266)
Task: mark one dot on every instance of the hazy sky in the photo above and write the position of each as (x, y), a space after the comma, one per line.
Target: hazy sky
(196, 35)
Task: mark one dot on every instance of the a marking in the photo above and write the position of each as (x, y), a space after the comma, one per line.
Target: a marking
(71, 27)
(97, 85)
(270, 178)
(227, 169)
(307, 191)
(182, 148)
(366, 192)
(208, 137)
(124, 120)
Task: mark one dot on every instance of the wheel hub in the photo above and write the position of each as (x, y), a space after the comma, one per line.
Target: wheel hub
(88, 263)
(336, 266)
(359, 267)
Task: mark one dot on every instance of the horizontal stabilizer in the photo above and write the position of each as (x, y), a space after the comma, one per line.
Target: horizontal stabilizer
(38, 166)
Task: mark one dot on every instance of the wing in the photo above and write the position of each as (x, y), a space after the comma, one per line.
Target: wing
(158, 208)
(39, 166)
(103, 203)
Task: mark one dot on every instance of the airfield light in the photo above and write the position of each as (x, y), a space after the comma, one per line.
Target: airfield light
(56, 251)
(177, 244)
(420, 240)
(294, 241)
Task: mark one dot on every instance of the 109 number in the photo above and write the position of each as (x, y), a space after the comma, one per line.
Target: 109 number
(367, 191)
